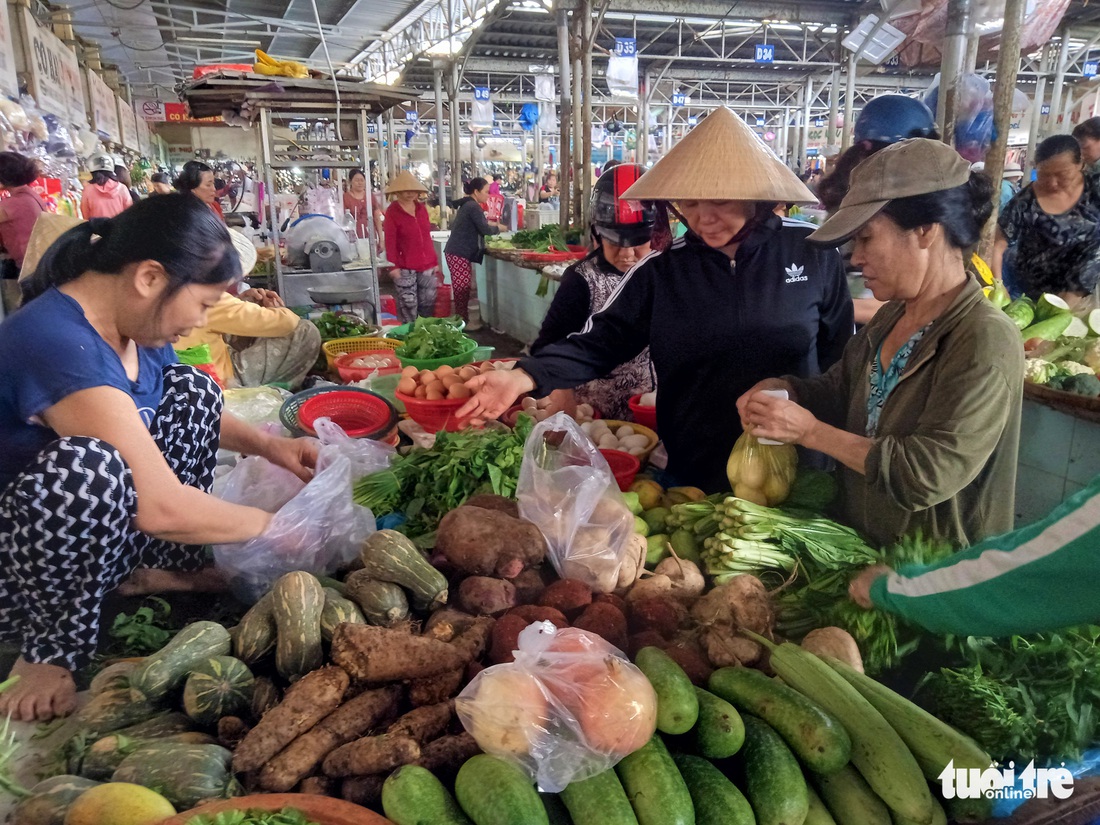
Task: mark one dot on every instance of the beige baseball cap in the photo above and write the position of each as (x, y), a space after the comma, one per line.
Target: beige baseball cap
(917, 166)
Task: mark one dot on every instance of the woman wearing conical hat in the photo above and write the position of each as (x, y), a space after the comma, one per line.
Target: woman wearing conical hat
(738, 297)
(410, 249)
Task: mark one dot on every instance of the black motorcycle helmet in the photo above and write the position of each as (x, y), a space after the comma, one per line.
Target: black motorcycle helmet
(621, 222)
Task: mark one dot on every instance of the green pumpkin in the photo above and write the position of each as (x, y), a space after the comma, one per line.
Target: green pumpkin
(219, 686)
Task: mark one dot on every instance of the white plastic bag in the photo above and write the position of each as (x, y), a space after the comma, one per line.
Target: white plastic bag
(567, 490)
(256, 482)
(319, 529)
(568, 708)
(366, 456)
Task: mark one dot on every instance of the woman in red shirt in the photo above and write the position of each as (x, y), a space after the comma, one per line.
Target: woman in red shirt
(18, 212)
(409, 248)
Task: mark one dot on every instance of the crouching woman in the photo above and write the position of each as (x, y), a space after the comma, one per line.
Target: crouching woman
(109, 444)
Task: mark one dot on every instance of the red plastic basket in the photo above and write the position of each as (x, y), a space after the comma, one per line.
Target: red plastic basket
(624, 467)
(552, 257)
(362, 415)
(348, 373)
(646, 416)
(434, 416)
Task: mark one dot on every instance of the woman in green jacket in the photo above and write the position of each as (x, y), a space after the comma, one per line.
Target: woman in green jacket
(923, 410)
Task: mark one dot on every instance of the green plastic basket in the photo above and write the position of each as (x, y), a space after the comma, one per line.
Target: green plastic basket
(464, 357)
(401, 332)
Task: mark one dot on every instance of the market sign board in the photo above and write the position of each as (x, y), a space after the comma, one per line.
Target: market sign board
(679, 99)
(104, 107)
(9, 81)
(157, 111)
(765, 53)
(127, 125)
(149, 110)
(1090, 68)
(52, 69)
(144, 138)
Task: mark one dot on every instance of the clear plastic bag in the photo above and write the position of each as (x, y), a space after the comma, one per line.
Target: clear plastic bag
(567, 490)
(366, 456)
(761, 473)
(319, 529)
(256, 482)
(568, 708)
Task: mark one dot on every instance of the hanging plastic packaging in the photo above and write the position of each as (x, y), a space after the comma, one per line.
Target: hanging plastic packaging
(567, 490)
(568, 708)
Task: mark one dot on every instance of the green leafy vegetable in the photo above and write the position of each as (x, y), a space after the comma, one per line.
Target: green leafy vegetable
(341, 325)
(428, 484)
(434, 338)
(9, 752)
(547, 239)
(144, 632)
(286, 816)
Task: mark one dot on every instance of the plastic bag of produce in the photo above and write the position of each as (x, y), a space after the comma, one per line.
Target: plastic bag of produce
(761, 473)
(569, 707)
(319, 529)
(366, 456)
(567, 490)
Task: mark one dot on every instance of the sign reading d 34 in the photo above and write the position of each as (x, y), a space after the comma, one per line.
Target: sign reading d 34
(1003, 783)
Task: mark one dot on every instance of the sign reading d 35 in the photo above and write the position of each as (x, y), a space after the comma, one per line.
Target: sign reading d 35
(626, 47)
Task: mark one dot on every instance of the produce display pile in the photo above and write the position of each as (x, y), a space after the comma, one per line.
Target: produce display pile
(342, 325)
(455, 662)
(549, 238)
(1063, 350)
(434, 338)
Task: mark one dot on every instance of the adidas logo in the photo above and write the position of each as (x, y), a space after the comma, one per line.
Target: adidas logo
(794, 274)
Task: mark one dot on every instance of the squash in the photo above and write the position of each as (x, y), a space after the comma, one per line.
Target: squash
(106, 754)
(299, 600)
(338, 610)
(166, 669)
(383, 603)
(50, 800)
(113, 676)
(112, 709)
(184, 774)
(391, 557)
(220, 686)
(256, 633)
(265, 696)
(332, 584)
(166, 723)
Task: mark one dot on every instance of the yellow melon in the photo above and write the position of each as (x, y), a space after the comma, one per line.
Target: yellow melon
(119, 803)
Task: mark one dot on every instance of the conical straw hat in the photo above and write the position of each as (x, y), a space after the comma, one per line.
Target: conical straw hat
(721, 159)
(404, 182)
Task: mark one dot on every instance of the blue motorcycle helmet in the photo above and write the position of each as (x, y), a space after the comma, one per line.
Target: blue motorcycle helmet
(890, 118)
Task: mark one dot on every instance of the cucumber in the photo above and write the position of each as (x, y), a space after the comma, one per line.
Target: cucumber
(655, 787)
(939, 816)
(677, 705)
(850, 799)
(774, 782)
(719, 733)
(818, 739)
(717, 801)
(412, 795)
(819, 814)
(599, 800)
(494, 792)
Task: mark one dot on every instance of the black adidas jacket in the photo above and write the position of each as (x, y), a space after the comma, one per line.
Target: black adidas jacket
(714, 328)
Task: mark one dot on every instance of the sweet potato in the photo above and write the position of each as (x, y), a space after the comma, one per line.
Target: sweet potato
(435, 689)
(446, 754)
(663, 614)
(490, 501)
(231, 731)
(318, 786)
(486, 596)
(505, 638)
(538, 613)
(474, 640)
(345, 724)
(446, 623)
(379, 654)
(307, 702)
(604, 620)
(371, 754)
(482, 542)
(529, 586)
(363, 790)
(425, 723)
(570, 596)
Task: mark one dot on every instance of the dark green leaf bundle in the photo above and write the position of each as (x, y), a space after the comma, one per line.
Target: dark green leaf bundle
(433, 338)
(286, 816)
(340, 325)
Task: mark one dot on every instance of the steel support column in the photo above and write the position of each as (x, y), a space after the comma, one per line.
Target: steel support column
(1051, 123)
(849, 102)
(441, 174)
(1037, 107)
(564, 156)
(954, 55)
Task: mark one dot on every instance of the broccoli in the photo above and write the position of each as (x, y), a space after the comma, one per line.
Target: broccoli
(1039, 371)
(1086, 385)
(1073, 368)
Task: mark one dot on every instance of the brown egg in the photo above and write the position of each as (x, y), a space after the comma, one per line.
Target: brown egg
(426, 376)
(406, 386)
(435, 392)
(410, 372)
(437, 386)
(467, 372)
(449, 380)
(445, 369)
(459, 391)
(421, 391)
(487, 366)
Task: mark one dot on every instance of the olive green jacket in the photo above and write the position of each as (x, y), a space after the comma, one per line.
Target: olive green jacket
(944, 459)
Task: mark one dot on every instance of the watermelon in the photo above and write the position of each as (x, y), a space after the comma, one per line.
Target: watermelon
(218, 686)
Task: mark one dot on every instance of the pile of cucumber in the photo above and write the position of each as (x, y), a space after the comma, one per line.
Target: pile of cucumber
(822, 744)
